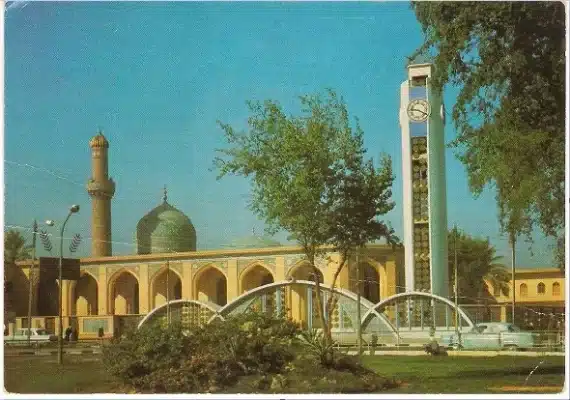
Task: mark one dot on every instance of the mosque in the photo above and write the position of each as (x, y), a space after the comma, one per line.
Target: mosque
(112, 291)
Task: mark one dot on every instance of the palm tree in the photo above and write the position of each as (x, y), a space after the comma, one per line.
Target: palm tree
(477, 264)
(15, 247)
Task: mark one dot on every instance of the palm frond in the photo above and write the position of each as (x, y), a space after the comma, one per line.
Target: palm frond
(74, 245)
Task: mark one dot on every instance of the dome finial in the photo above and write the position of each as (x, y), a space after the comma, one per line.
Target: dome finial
(165, 196)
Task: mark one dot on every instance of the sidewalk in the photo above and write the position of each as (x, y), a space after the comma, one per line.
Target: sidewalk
(463, 353)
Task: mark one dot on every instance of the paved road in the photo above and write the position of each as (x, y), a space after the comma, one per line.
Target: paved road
(462, 353)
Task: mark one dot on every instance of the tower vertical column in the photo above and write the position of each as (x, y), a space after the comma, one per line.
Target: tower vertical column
(101, 189)
(424, 184)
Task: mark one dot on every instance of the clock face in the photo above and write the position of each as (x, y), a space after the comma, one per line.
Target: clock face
(418, 110)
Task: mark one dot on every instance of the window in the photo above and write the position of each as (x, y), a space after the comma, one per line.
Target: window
(523, 290)
(497, 290)
(541, 288)
(556, 289)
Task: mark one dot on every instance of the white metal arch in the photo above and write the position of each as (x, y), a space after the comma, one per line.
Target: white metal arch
(258, 290)
(210, 307)
(387, 300)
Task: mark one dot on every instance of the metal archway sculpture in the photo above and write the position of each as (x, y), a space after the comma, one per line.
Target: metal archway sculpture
(410, 296)
(242, 302)
(178, 306)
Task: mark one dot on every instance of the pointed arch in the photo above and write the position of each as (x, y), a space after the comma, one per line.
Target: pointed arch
(523, 290)
(161, 271)
(366, 280)
(207, 266)
(255, 275)
(298, 295)
(123, 289)
(302, 270)
(85, 295)
(211, 285)
(158, 290)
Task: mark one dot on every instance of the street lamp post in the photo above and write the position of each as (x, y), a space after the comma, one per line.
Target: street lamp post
(456, 287)
(31, 275)
(74, 208)
(358, 312)
(513, 263)
(30, 279)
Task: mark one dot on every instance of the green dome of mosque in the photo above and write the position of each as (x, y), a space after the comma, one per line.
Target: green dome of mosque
(253, 242)
(165, 229)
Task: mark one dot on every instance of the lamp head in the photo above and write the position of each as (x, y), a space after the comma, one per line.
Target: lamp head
(74, 208)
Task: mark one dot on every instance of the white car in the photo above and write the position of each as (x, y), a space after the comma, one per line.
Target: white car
(37, 336)
(492, 336)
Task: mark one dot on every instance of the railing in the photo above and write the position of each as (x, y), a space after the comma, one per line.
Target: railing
(544, 341)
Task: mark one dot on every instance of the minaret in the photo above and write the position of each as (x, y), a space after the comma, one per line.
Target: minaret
(422, 119)
(101, 188)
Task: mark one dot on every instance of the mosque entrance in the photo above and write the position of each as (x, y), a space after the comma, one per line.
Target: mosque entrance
(85, 301)
(302, 299)
(254, 277)
(166, 286)
(367, 281)
(211, 286)
(125, 294)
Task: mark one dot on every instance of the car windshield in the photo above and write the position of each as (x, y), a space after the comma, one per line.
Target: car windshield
(481, 328)
(513, 328)
(41, 332)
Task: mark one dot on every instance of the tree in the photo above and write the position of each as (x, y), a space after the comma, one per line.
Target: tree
(15, 247)
(477, 264)
(309, 177)
(509, 60)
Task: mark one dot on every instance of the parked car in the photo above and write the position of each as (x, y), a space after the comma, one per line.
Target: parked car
(491, 336)
(37, 336)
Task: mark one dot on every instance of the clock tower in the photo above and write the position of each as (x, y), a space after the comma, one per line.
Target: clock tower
(422, 119)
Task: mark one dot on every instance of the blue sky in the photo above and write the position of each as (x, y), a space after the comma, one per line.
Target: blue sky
(155, 77)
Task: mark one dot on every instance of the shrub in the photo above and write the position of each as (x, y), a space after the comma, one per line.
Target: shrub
(246, 354)
(163, 359)
(434, 349)
(315, 342)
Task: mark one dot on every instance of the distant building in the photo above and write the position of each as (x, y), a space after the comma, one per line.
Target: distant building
(540, 297)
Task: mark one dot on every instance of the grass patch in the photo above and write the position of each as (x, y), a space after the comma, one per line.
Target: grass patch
(419, 374)
(427, 374)
(42, 374)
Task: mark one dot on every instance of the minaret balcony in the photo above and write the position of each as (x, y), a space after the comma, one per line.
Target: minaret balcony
(101, 188)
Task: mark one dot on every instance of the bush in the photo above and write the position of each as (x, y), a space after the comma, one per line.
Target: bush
(162, 359)
(434, 349)
(247, 354)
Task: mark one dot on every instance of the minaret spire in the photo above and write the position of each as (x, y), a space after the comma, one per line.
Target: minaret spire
(101, 189)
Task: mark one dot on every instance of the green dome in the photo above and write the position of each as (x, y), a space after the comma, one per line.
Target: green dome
(165, 229)
(253, 242)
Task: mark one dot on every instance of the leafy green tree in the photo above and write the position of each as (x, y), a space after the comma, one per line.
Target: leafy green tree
(509, 60)
(477, 264)
(15, 247)
(309, 177)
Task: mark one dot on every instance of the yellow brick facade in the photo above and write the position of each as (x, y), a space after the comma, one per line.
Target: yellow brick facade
(133, 285)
